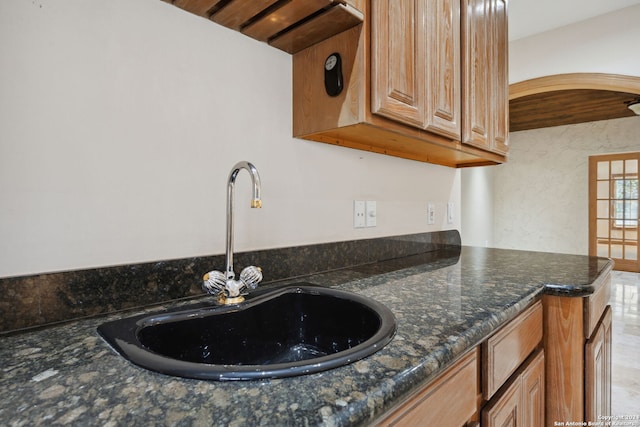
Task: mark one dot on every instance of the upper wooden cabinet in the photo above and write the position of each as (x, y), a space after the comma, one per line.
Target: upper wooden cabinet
(405, 85)
(416, 63)
(485, 79)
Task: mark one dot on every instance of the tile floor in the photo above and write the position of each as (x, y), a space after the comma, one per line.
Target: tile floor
(625, 303)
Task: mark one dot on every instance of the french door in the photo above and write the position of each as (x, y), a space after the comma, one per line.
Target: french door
(613, 209)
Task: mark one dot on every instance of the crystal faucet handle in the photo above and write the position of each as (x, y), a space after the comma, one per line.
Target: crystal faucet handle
(214, 282)
(251, 276)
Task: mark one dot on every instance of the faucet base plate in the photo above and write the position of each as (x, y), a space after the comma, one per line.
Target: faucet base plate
(225, 300)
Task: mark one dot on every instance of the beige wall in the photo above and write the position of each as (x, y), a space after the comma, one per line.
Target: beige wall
(120, 122)
(540, 197)
(477, 206)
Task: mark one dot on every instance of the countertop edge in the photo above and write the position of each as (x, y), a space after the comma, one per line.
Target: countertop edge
(582, 289)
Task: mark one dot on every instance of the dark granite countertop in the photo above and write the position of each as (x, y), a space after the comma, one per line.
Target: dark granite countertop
(445, 303)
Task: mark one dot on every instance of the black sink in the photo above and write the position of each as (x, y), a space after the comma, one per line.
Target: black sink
(289, 331)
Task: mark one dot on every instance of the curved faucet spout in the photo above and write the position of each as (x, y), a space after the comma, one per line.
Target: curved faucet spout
(224, 285)
(256, 202)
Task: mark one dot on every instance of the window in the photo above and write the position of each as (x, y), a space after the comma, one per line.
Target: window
(625, 202)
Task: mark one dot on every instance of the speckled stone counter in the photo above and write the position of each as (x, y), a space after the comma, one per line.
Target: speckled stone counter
(445, 302)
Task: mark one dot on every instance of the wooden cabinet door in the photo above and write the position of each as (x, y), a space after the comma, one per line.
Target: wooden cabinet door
(506, 411)
(444, 93)
(533, 412)
(415, 63)
(485, 74)
(398, 61)
(598, 370)
(500, 85)
(475, 80)
(522, 403)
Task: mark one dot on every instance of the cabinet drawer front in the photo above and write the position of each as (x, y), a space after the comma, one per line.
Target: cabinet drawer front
(504, 351)
(451, 397)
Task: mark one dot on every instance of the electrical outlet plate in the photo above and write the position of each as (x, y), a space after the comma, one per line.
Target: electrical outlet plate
(450, 209)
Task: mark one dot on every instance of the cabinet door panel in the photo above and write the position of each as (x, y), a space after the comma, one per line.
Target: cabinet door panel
(500, 84)
(398, 60)
(522, 404)
(533, 393)
(598, 370)
(475, 55)
(443, 75)
(485, 75)
(505, 411)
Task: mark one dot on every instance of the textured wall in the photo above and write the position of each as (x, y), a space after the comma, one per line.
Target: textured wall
(541, 194)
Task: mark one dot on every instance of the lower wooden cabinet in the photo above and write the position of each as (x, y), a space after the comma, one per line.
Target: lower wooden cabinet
(577, 342)
(549, 365)
(513, 368)
(502, 379)
(521, 404)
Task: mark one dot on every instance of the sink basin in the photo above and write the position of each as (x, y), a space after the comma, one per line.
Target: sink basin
(289, 331)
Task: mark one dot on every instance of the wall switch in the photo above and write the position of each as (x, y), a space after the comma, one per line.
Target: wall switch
(450, 208)
(371, 213)
(431, 213)
(359, 217)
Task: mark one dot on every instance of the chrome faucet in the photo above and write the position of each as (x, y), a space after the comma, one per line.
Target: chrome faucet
(224, 285)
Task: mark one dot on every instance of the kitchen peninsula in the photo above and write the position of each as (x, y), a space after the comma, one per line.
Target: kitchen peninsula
(449, 302)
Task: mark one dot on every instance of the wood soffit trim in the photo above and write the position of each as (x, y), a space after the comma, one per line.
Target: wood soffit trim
(570, 98)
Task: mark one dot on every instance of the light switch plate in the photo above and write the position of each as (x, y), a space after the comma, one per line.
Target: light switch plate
(371, 210)
(431, 213)
(359, 209)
